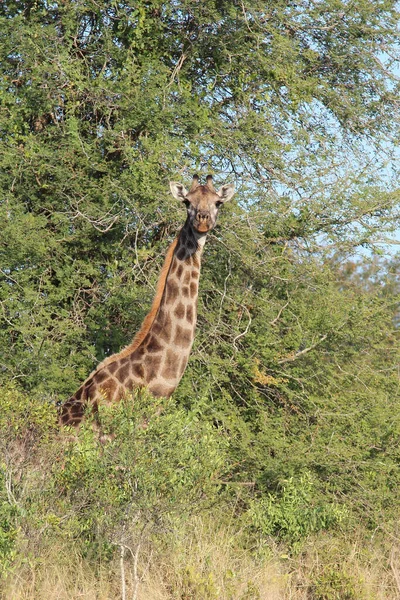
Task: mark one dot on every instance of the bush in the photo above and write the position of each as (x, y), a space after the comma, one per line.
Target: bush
(142, 463)
(22, 423)
(295, 513)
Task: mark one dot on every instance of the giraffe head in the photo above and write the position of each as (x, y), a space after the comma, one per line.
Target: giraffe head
(202, 201)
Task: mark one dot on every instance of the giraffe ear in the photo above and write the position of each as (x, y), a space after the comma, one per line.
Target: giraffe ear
(226, 192)
(178, 190)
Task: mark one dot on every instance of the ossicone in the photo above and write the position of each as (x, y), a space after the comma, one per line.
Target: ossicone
(195, 183)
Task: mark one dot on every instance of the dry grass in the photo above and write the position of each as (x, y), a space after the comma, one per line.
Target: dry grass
(211, 564)
(61, 577)
(205, 562)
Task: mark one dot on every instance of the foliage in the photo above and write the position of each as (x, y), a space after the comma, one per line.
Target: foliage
(8, 534)
(151, 468)
(334, 584)
(22, 423)
(289, 407)
(294, 515)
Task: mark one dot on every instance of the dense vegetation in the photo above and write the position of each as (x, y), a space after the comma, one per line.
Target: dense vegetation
(285, 428)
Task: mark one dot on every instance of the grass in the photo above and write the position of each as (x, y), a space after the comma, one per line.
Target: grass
(205, 560)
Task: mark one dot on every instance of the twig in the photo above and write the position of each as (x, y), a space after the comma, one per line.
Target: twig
(97, 223)
(274, 321)
(302, 352)
(177, 68)
(243, 483)
(122, 567)
(135, 574)
(247, 327)
(223, 296)
(10, 494)
(395, 572)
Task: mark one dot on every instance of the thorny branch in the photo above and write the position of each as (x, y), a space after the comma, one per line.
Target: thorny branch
(302, 352)
(99, 224)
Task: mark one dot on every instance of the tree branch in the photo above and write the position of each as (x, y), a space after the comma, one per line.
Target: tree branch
(302, 352)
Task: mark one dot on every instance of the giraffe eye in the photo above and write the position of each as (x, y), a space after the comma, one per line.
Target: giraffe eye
(218, 204)
(186, 203)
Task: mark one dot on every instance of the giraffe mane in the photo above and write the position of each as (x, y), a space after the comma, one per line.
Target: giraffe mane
(151, 315)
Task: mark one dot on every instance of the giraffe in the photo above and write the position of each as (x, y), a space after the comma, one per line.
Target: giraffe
(158, 354)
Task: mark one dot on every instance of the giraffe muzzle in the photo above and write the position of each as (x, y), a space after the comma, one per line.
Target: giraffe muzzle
(202, 221)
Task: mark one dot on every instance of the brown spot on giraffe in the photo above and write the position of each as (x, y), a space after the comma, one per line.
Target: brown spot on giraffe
(183, 364)
(190, 314)
(172, 291)
(112, 367)
(158, 354)
(193, 289)
(79, 393)
(166, 328)
(108, 388)
(181, 253)
(180, 311)
(137, 371)
(123, 373)
(152, 367)
(153, 345)
(102, 375)
(183, 337)
(129, 384)
(138, 353)
(171, 365)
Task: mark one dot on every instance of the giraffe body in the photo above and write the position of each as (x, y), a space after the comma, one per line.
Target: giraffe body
(158, 355)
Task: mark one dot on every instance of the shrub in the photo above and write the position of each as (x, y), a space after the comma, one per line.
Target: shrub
(140, 464)
(295, 513)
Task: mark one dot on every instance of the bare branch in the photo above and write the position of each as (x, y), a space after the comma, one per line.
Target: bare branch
(274, 321)
(302, 352)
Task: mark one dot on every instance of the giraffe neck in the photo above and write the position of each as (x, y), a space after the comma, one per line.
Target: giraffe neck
(164, 353)
(158, 355)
